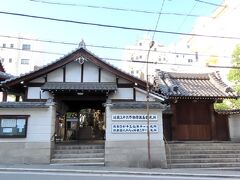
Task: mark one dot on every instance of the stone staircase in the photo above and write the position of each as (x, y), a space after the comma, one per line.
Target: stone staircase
(89, 154)
(203, 154)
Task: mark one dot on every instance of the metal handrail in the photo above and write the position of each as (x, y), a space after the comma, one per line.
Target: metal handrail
(169, 152)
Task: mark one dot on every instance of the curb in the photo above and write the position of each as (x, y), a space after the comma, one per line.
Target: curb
(119, 172)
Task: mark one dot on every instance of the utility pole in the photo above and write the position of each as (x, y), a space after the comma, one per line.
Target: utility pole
(148, 120)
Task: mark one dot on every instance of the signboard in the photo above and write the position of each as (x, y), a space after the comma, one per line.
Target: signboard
(13, 126)
(133, 117)
(8, 123)
(133, 128)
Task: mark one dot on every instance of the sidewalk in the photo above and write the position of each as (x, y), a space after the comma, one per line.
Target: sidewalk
(223, 173)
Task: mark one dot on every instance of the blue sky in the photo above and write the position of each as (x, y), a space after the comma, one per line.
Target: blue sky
(59, 31)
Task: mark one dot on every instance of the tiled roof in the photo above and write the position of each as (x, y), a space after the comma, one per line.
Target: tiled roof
(23, 105)
(136, 105)
(228, 112)
(51, 86)
(5, 76)
(190, 85)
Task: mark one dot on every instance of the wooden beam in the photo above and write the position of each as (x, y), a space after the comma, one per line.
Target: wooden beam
(213, 123)
(4, 97)
(99, 74)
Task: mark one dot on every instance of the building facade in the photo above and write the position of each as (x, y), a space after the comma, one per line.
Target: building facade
(17, 54)
(77, 98)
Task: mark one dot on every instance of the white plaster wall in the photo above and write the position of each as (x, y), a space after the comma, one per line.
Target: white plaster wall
(38, 80)
(73, 72)
(40, 126)
(55, 76)
(90, 72)
(123, 81)
(107, 76)
(141, 96)
(34, 93)
(132, 136)
(234, 127)
(122, 93)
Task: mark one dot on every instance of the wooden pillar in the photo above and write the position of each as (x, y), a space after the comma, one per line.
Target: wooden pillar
(174, 122)
(4, 97)
(17, 98)
(213, 123)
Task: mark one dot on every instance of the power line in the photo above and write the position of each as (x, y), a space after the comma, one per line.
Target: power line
(113, 8)
(35, 51)
(187, 15)
(117, 27)
(117, 59)
(206, 2)
(109, 47)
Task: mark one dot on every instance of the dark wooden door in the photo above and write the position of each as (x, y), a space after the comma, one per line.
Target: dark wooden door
(222, 128)
(192, 121)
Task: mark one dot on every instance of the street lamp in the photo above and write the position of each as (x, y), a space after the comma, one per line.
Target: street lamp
(148, 120)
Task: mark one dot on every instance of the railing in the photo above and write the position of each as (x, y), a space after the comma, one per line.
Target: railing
(169, 154)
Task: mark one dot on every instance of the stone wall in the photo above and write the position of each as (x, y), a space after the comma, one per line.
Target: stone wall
(35, 148)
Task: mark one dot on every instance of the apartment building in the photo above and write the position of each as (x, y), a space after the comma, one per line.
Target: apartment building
(19, 54)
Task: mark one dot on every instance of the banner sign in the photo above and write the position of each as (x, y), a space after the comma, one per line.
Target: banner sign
(133, 117)
(134, 128)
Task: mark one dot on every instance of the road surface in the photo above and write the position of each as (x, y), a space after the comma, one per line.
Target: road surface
(81, 176)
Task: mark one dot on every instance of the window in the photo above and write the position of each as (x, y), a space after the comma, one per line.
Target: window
(11, 45)
(140, 44)
(10, 60)
(4, 45)
(13, 126)
(26, 47)
(190, 60)
(24, 61)
(140, 57)
(2, 60)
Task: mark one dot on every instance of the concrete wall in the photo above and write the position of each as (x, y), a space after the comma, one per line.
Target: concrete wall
(36, 147)
(130, 149)
(234, 127)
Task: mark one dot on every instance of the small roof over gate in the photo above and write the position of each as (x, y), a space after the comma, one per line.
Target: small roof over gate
(192, 86)
(75, 86)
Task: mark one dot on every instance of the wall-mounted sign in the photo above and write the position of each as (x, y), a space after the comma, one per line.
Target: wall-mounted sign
(134, 128)
(8, 123)
(13, 126)
(133, 117)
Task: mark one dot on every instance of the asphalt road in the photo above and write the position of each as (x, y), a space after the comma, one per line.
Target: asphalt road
(80, 176)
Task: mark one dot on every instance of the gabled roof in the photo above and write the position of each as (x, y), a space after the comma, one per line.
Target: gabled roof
(80, 52)
(192, 86)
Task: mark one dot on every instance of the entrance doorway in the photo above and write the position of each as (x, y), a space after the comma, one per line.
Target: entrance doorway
(81, 121)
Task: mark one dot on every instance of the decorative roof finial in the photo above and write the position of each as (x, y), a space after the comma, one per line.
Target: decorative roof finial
(82, 44)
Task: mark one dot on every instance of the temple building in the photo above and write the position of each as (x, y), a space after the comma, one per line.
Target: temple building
(81, 110)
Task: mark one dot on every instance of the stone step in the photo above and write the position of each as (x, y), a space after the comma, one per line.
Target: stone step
(79, 164)
(206, 160)
(202, 143)
(206, 151)
(70, 147)
(77, 160)
(204, 165)
(78, 151)
(187, 156)
(84, 155)
(205, 148)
